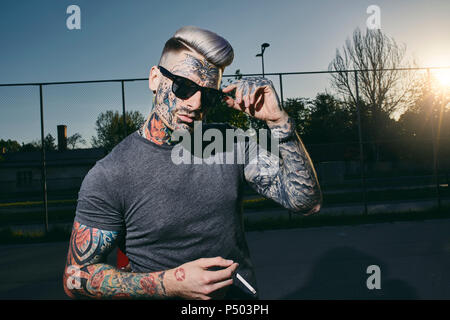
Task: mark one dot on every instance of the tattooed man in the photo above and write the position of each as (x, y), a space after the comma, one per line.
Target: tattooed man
(180, 225)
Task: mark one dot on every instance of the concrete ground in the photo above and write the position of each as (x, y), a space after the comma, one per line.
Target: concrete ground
(310, 263)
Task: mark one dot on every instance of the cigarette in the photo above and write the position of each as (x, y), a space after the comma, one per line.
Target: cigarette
(249, 287)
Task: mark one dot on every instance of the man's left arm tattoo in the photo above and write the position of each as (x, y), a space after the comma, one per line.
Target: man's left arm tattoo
(289, 180)
(87, 275)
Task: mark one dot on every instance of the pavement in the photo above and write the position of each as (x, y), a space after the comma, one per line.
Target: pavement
(310, 263)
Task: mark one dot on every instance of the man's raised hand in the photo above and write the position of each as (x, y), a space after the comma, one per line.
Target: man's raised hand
(257, 97)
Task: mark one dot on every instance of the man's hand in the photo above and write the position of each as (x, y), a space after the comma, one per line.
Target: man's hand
(193, 280)
(257, 97)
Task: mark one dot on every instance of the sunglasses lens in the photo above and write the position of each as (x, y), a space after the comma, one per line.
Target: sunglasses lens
(183, 89)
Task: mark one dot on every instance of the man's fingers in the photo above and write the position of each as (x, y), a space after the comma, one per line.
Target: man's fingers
(251, 110)
(229, 101)
(253, 91)
(219, 285)
(229, 88)
(259, 102)
(232, 104)
(249, 96)
(247, 101)
(221, 275)
(238, 96)
(254, 94)
(214, 262)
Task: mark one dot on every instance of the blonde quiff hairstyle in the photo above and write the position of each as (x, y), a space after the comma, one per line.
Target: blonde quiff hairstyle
(213, 47)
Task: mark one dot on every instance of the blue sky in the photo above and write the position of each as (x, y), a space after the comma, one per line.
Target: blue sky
(123, 39)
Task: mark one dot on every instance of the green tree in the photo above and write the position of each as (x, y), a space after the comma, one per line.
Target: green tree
(330, 121)
(49, 143)
(35, 145)
(75, 139)
(110, 128)
(221, 113)
(326, 125)
(425, 123)
(9, 145)
(30, 146)
(300, 110)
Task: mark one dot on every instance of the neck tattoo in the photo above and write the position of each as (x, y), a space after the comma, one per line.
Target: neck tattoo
(156, 131)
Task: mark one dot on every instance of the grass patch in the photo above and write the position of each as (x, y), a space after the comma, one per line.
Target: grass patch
(34, 203)
(16, 218)
(385, 195)
(319, 220)
(8, 236)
(357, 197)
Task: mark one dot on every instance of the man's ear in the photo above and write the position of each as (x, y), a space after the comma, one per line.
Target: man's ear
(154, 78)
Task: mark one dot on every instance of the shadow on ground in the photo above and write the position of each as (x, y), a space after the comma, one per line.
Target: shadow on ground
(341, 273)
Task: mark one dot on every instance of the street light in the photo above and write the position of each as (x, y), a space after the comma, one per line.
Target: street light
(263, 48)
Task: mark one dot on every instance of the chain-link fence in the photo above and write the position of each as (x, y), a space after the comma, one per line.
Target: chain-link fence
(373, 151)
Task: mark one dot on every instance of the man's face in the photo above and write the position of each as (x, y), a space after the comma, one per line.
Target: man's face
(180, 114)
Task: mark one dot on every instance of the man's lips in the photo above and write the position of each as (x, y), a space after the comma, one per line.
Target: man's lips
(185, 118)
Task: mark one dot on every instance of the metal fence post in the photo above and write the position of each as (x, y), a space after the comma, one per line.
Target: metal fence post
(124, 115)
(361, 149)
(434, 138)
(281, 90)
(44, 169)
(282, 106)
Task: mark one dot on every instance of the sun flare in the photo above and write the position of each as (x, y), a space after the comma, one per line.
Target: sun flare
(442, 76)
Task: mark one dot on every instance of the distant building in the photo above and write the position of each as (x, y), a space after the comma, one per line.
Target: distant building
(21, 172)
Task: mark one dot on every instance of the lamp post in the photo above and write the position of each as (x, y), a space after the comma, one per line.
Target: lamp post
(261, 54)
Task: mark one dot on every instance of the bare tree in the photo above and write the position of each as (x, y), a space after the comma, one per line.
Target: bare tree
(386, 89)
(383, 93)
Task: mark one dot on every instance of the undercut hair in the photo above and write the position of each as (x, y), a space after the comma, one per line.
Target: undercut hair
(213, 47)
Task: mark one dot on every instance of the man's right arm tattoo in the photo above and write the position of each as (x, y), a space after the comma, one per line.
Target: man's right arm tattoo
(290, 179)
(87, 275)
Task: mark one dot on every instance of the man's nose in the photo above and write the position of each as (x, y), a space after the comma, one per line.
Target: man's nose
(194, 103)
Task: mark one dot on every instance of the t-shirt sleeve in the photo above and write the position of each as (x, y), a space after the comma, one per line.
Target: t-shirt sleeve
(98, 206)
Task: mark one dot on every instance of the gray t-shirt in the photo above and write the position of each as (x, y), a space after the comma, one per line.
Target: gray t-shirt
(169, 214)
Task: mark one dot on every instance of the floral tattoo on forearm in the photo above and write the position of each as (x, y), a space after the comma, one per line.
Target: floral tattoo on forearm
(86, 274)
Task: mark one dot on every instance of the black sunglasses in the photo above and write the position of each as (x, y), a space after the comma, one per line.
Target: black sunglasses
(184, 88)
